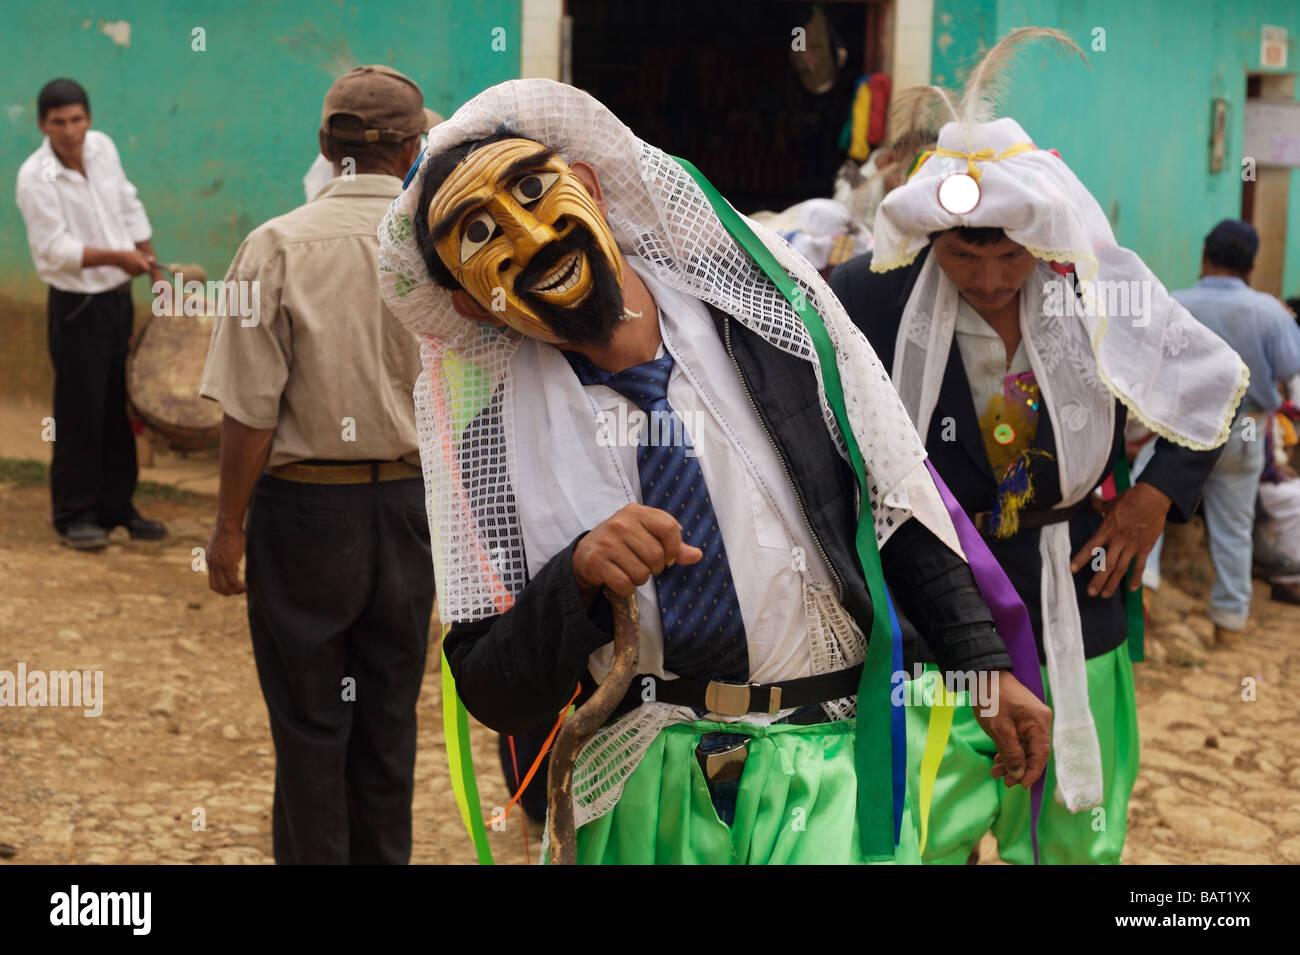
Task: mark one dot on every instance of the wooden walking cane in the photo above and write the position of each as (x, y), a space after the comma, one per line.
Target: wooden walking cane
(582, 724)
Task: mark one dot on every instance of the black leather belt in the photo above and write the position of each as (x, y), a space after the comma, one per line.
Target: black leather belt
(345, 472)
(1030, 519)
(739, 699)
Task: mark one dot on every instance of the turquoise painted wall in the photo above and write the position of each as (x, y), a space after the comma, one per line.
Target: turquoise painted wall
(218, 141)
(1136, 126)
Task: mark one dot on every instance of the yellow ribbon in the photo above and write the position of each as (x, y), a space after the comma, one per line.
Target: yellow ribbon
(936, 741)
(984, 155)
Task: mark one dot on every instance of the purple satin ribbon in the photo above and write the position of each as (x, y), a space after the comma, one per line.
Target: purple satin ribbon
(1009, 616)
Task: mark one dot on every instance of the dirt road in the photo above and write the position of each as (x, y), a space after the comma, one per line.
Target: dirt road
(184, 726)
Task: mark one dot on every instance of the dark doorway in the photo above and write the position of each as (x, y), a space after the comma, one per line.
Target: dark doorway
(712, 81)
(1248, 185)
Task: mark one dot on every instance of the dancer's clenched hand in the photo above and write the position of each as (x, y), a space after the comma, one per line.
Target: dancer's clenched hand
(625, 550)
(1133, 523)
(1021, 728)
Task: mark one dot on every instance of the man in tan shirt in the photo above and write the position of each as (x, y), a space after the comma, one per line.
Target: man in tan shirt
(318, 446)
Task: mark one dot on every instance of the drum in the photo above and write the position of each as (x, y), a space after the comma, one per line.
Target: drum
(163, 374)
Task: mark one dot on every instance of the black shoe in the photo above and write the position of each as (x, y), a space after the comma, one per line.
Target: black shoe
(142, 529)
(1278, 566)
(85, 536)
(1286, 593)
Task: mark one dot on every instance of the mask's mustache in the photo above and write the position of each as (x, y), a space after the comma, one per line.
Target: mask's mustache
(580, 239)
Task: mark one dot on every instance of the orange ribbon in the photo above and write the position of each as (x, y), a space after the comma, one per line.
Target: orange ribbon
(532, 770)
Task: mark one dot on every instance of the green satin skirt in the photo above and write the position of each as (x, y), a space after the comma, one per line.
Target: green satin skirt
(967, 803)
(797, 803)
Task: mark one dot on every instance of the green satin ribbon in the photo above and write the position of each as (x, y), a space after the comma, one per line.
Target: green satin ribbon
(1132, 598)
(460, 763)
(873, 750)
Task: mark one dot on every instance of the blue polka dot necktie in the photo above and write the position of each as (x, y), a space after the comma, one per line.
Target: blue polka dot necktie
(704, 635)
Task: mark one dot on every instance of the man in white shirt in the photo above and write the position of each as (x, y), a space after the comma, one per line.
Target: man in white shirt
(89, 235)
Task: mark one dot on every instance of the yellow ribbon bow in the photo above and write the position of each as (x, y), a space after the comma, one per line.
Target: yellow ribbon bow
(984, 155)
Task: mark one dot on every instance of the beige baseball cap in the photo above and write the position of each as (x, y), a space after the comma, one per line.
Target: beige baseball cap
(389, 105)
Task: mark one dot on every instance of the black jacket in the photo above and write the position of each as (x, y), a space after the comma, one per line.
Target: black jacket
(516, 670)
(875, 302)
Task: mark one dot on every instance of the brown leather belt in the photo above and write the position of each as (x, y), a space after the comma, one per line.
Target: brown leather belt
(1030, 519)
(362, 472)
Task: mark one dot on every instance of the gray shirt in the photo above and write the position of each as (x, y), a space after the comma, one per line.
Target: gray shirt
(1255, 326)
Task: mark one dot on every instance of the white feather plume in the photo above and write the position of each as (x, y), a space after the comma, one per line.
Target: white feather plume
(988, 83)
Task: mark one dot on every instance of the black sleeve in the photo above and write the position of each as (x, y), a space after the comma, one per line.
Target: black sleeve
(937, 591)
(868, 298)
(841, 283)
(875, 300)
(1180, 473)
(515, 671)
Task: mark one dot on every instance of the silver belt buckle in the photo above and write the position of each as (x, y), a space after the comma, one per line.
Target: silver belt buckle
(733, 699)
(726, 765)
(729, 699)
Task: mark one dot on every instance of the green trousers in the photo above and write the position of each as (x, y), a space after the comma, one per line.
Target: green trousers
(797, 803)
(967, 803)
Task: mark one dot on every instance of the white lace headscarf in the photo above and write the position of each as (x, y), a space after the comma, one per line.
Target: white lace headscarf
(1171, 373)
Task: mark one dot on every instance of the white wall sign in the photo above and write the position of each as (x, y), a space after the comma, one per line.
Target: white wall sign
(1272, 132)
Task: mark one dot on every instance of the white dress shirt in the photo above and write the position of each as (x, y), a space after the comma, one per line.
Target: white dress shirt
(66, 211)
(984, 356)
(319, 172)
(768, 543)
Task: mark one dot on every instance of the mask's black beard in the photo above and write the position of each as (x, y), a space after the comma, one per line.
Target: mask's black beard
(593, 320)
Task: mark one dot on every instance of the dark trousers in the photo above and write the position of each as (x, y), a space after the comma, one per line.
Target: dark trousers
(340, 596)
(93, 474)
